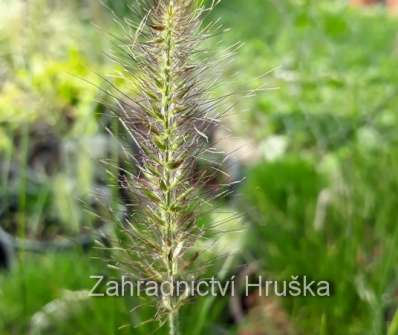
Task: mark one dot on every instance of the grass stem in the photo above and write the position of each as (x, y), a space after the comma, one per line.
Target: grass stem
(173, 323)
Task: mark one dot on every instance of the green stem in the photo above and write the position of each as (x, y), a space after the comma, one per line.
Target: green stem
(173, 323)
(167, 157)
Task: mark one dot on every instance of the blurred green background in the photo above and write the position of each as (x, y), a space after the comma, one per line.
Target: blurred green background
(320, 158)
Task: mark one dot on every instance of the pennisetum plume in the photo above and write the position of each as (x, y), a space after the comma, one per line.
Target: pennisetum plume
(168, 120)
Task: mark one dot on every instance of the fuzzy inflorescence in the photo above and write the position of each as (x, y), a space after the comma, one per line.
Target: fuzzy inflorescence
(168, 121)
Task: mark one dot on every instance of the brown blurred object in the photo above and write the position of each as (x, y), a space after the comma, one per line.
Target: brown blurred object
(267, 317)
(44, 148)
(258, 315)
(393, 6)
(365, 2)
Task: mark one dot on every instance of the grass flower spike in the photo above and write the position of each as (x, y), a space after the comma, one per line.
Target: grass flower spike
(168, 122)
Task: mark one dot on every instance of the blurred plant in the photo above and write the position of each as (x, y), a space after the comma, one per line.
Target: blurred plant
(339, 228)
(48, 118)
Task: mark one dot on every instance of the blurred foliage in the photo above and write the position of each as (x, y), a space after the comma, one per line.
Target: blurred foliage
(330, 70)
(326, 207)
(353, 246)
(49, 107)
